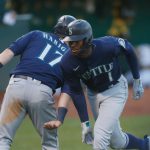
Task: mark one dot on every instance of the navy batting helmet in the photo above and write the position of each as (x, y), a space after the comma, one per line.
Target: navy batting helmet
(63, 21)
(79, 30)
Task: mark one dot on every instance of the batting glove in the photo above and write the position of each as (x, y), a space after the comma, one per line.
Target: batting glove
(137, 89)
(87, 137)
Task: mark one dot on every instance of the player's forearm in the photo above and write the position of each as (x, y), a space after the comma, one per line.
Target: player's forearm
(6, 56)
(63, 103)
(64, 100)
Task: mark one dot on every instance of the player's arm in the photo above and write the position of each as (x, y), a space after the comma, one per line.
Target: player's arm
(131, 57)
(15, 48)
(21, 43)
(67, 94)
(63, 103)
(80, 104)
(132, 60)
(76, 93)
(79, 101)
(6, 56)
(73, 87)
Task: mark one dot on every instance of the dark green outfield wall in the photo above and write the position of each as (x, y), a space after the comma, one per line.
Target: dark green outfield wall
(7, 35)
(140, 31)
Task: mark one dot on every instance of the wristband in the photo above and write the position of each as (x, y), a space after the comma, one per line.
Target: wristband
(1, 65)
(86, 124)
(62, 111)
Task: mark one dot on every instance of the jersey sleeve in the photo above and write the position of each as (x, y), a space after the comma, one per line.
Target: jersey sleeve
(129, 51)
(20, 44)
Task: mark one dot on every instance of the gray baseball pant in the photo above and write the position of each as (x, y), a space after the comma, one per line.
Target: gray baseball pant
(27, 96)
(107, 107)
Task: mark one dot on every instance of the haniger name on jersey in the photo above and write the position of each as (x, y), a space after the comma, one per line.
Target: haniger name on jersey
(56, 42)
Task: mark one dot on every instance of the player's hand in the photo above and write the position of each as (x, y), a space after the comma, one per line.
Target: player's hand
(87, 137)
(52, 124)
(137, 89)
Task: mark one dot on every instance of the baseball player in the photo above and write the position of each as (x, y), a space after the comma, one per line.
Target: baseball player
(95, 61)
(33, 83)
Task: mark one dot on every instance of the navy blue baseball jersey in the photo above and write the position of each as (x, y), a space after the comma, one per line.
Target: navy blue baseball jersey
(40, 54)
(102, 68)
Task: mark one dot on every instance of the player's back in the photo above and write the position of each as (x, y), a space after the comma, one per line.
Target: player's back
(40, 54)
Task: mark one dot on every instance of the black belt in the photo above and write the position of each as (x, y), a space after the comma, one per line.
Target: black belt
(26, 77)
(21, 76)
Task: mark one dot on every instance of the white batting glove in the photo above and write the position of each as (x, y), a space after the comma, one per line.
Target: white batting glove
(137, 89)
(87, 137)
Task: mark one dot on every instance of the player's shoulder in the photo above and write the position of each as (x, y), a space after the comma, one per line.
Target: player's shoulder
(108, 41)
(105, 39)
(45, 35)
(104, 42)
(41, 33)
(35, 33)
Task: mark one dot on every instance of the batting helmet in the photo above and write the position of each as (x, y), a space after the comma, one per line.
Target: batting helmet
(63, 21)
(79, 30)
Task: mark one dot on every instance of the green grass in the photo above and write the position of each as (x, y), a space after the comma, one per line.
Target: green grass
(70, 133)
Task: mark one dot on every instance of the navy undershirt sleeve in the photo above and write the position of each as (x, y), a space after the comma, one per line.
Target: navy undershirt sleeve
(79, 102)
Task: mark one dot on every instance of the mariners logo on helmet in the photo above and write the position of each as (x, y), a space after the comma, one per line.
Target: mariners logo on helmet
(70, 31)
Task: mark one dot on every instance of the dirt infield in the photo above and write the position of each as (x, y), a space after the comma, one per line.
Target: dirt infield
(141, 107)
